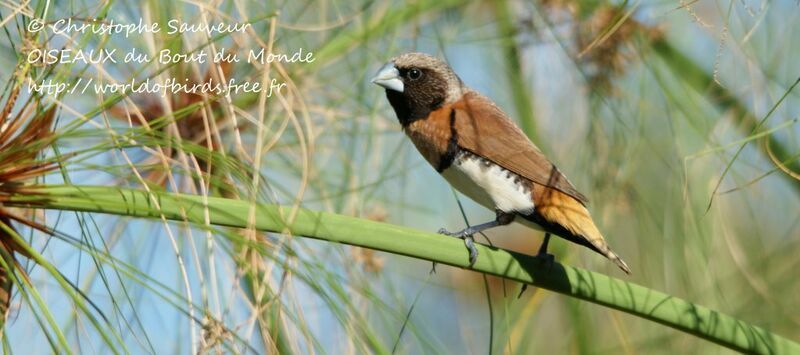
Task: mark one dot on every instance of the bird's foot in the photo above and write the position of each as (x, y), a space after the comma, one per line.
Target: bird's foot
(460, 234)
(469, 242)
(542, 257)
(546, 259)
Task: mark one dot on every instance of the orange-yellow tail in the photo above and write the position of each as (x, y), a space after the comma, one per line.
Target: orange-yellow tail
(589, 231)
(563, 215)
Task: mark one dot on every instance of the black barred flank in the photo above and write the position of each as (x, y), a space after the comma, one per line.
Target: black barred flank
(452, 146)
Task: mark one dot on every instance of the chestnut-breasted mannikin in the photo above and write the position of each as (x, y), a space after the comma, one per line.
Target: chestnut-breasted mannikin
(479, 150)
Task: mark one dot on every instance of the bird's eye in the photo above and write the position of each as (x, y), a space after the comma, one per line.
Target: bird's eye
(414, 74)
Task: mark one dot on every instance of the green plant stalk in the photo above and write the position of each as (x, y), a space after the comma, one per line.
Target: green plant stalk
(523, 100)
(699, 79)
(582, 284)
(690, 72)
(396, 17)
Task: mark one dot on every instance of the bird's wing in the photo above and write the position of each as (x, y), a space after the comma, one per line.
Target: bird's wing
(483, 129)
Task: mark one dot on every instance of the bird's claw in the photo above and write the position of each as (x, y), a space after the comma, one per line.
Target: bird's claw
(469, 242)
(547, 259)
(460, 234)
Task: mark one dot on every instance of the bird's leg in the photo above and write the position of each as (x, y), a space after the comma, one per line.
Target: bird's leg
(503, 218)
(469, 231)
(542, 255)
(543, 248)
(466, 234)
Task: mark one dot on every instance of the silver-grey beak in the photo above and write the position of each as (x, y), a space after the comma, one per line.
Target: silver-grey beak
(389, 77)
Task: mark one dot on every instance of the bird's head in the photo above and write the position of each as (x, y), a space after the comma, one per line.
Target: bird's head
(416, 84)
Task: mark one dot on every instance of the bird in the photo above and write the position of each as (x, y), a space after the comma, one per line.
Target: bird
(483, 154)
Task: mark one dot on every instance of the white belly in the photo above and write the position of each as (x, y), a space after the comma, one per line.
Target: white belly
(489, 184)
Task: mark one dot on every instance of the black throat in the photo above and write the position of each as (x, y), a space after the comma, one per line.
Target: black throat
(408, 110)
